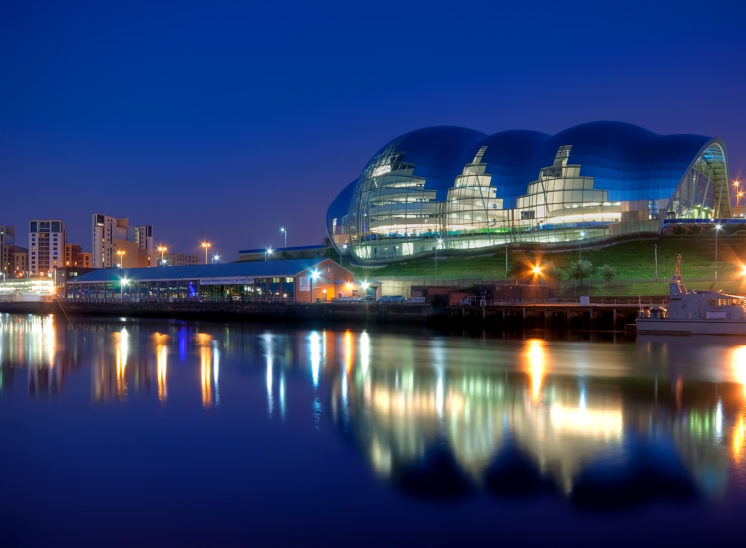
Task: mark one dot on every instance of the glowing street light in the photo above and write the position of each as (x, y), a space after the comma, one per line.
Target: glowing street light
(162, 249)
(207, 246)
(215, 258)
(121, 254)
(314, 276)
(736, 184)
(580, 242)
(718, 227)
(267, 253)
(284, 233)
(124, 283)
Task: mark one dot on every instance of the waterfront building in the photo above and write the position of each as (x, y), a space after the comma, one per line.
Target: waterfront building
(295, 280)
(456, 190)
(75, 257)
(144, 240)
(295, 252)
(37, 289)
(182, 259)
(46, 246)
(108, 236)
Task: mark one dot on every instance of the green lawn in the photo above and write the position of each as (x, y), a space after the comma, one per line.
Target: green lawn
(633, 264)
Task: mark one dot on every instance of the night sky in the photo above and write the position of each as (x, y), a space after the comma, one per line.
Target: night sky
(227, 120)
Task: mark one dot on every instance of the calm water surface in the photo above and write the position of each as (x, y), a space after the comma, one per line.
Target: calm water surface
(164, 432)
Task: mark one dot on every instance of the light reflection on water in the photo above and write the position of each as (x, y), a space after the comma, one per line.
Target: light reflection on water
(597, 424)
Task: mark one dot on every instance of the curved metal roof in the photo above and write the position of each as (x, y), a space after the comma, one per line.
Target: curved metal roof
(630, 162)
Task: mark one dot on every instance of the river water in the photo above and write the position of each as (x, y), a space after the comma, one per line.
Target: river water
(153, 432)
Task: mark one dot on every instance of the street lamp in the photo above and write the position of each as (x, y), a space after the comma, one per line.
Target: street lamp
(284, 233)
(718, 227)
(121, 254)
(344, 251)
(314, 275)
(162, 249)
(207, 246)
(736, 184)
(125, 283)
(580, 241)
(215, 258)
(438, 243)
(267, 252)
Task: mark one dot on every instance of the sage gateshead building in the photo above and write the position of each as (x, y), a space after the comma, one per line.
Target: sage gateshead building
(456, 189)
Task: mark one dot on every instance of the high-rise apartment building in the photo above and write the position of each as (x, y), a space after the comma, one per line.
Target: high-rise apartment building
(107, 233)
(144, 240)
(46, 238)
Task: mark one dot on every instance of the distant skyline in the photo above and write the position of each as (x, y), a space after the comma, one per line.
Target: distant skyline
(227, 121)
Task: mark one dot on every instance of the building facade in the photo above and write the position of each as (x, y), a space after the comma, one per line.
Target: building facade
(7, 240)
(75, 257)
(46, 248)
(144, 240)
(296, 252)
(182, 259)
(449, 189)
(107, 233)
(295, 280)
(17, 261)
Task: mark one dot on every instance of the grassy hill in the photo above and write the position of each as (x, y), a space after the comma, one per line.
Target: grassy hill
(632, 264)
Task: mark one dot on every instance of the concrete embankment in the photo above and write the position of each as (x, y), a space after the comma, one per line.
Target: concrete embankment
(363, 313)
(504, 317)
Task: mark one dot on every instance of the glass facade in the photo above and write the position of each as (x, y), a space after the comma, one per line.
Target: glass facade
(450, 188)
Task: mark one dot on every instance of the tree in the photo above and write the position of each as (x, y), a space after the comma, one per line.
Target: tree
(579, 270)
(607, 272)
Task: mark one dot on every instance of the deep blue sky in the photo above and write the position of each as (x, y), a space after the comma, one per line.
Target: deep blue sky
(225, 120)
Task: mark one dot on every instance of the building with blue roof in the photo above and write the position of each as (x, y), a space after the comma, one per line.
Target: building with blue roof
(295, 280)
(451, 188)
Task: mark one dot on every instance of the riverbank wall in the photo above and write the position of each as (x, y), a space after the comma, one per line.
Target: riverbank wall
(513, 317)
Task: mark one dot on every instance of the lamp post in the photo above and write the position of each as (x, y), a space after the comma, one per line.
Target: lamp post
(438, 243)
(580, 242)
(125, 283)
(121, 254)
(162, 249)
(215, 258)
(267, 252)
(344, 250)
(206, 245)
(285, 234)
(314, 275)
(717, 230)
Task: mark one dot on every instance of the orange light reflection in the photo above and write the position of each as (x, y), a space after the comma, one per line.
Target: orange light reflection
(535, 356)
(205, 357)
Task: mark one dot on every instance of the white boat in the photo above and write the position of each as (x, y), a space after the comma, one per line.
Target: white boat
(694, 312)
